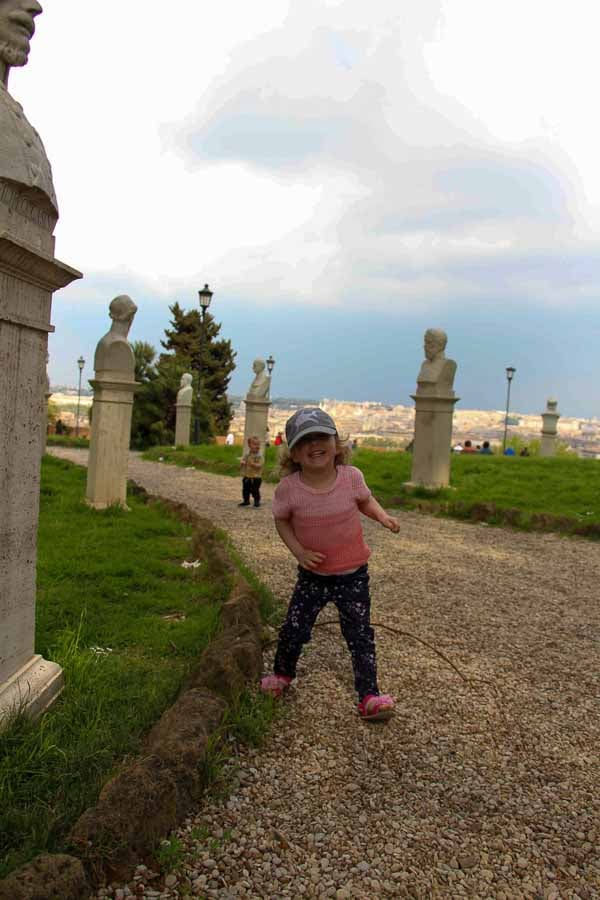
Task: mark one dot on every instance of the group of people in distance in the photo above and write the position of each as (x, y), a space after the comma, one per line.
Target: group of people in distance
(468, 447)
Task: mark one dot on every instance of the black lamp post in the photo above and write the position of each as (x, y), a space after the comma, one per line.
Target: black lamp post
(510, 372)
(204, 296)
(270, 364)
(81, 364)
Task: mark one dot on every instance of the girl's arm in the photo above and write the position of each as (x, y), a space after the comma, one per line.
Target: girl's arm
(308, 559)
(374, 510)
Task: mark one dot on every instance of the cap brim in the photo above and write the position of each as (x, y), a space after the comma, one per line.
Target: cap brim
(315, 429)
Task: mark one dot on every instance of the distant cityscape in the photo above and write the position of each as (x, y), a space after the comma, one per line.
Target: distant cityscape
(381, 423)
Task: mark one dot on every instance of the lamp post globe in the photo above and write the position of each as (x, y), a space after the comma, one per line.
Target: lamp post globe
(510, 374)
(270, 364)
(205, 296)
(80, 364)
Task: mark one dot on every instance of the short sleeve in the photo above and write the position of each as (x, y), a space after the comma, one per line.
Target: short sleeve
(359, 486)
(281, 504)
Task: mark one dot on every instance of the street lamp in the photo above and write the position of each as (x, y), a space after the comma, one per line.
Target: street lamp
(204, 296)
(270, 364)
(510, 372)
(81, 364)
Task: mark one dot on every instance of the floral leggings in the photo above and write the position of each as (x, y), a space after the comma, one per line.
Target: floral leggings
(350, 593)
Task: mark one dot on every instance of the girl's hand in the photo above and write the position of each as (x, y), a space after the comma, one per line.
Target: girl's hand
(391, 523)
(310, 559)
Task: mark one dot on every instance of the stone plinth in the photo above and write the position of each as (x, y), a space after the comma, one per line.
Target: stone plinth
(257, 420)
(183, 423)
(29, 274)
(109, 443)
(433, 438)
(549, 429)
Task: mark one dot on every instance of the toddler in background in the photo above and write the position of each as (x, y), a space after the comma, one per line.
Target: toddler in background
(251, 467)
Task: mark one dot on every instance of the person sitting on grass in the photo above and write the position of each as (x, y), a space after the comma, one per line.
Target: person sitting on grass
(317, 507)
(468, 448)
(251, 466)
(486, 449)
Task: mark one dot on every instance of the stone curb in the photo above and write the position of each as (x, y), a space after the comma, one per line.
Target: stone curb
(152, 795)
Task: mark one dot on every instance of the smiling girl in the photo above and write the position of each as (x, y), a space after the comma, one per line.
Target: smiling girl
(317, 508)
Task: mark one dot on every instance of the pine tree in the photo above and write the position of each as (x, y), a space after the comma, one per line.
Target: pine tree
(211, 361)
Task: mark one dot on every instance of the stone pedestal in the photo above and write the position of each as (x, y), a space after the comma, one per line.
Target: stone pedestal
(29, 274)
(183, 422)
(549, 429)
(432, 442)
(109, 443)
(257, 420)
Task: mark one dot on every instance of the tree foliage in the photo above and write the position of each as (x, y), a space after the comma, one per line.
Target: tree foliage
(210, 360)
(187, 347)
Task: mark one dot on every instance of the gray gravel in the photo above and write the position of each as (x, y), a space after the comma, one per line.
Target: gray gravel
(482, 788)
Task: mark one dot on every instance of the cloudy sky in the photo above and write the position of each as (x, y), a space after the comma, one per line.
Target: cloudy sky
(344, 175)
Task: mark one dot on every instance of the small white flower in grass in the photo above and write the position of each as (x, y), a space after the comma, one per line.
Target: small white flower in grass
(101, 651)
(191, 565)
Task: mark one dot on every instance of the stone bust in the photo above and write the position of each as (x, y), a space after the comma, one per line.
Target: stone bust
(184, 394)
(23, 160)
(114, 359)
(437, 372)
(260, 387)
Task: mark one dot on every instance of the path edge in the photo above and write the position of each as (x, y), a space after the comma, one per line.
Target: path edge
(152, 793)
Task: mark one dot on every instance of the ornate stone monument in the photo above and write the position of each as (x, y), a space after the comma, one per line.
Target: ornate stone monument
(114, 388)
(183, 416)
(549, 429)
(29, 275)
(434, 409)
(257, 404)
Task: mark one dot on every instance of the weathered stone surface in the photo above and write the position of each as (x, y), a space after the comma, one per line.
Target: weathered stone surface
(29, 274)
(47, 877)
(183, 417)
(434, 409)
(114, 390)
(549, 428)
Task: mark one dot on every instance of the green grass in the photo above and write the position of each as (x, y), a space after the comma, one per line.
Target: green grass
(220, 460)
(564, 486)
(66, 440)
(106, 583)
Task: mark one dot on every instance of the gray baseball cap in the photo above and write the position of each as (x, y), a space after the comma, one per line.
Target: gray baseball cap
(308, 421)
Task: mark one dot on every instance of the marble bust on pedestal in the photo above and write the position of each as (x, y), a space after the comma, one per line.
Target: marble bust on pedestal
(29, 276)
(23, 160)
(436, 376)
(114, 389)
(260, 387)
(185, 392)
(114, 359)
(434, 408)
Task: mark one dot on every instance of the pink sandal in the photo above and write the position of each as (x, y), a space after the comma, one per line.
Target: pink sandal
(376, 708)
(275, 685)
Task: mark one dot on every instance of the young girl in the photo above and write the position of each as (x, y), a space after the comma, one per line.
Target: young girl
(317, 510)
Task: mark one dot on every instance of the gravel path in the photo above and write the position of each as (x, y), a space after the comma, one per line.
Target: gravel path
(481, 788)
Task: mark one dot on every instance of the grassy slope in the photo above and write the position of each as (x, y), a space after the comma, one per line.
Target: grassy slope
(105, 580)
(562, 486)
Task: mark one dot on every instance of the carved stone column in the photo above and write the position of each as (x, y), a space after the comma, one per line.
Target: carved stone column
(109, 443)
(257, 421)
(433, 438)
(29, 274)
(183, 423)
(549, 429)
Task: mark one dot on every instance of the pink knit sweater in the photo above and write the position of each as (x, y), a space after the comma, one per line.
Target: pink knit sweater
(327, 521)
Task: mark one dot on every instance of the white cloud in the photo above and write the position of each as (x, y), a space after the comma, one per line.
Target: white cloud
(323, 151)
